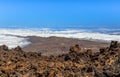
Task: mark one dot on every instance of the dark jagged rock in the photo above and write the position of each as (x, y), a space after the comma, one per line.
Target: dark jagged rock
(104, 50)
(114, 46)
(18, 48)
(4, 47)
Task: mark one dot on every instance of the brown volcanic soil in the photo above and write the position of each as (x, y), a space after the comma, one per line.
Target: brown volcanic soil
(59, 45)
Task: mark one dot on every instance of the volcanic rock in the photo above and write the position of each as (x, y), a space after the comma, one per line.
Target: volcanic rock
(17, 63)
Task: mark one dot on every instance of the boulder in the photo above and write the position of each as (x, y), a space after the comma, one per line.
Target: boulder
(75, 48)
(4, 47)
(113, 46)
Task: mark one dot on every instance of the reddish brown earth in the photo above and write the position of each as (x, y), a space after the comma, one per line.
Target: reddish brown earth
(59, 45)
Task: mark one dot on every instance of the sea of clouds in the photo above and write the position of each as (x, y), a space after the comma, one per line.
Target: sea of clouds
(18, 37)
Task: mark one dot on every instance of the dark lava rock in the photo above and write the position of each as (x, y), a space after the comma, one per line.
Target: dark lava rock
(4, 47)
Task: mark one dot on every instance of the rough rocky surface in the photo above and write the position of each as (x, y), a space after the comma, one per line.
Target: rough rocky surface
(17, 63)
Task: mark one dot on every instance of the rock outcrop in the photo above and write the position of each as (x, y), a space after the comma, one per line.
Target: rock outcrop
(17, 63)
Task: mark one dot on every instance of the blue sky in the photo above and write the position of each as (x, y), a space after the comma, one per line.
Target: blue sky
(54, 13)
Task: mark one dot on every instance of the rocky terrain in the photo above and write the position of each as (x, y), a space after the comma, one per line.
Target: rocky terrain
(77, 63)
(60, 45)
